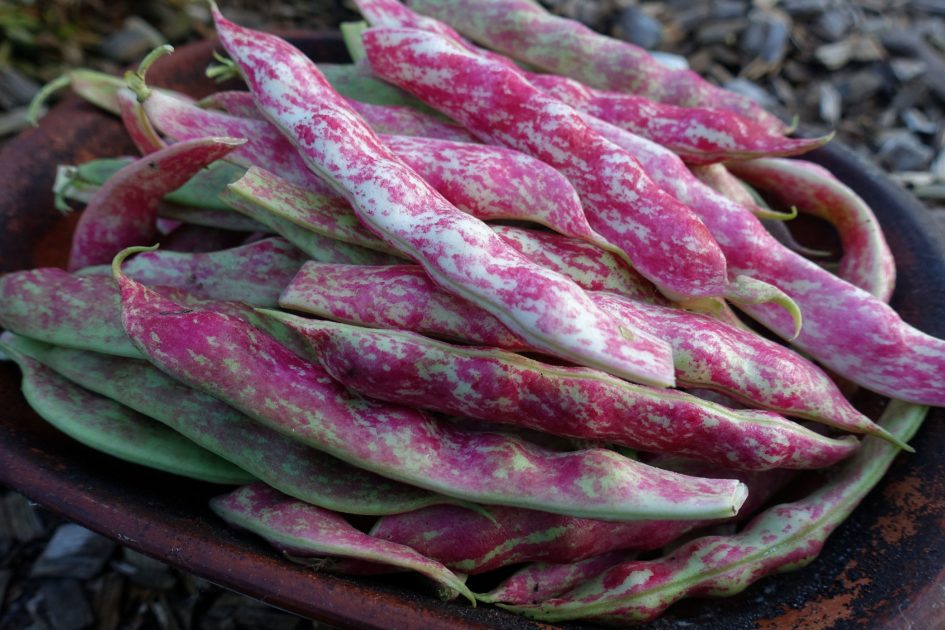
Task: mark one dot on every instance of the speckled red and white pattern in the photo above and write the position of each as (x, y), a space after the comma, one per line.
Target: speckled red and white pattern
(524, 30)
(469, 542)
(707, 353)
(123, 212)
(867, 261)
(663, 239)
(699, 135)
(784, 537)
(396, 120)
(487, 182)
(254, 273)
(539, 581)
(491, 182)
(227, 357)
(739, 363)
(499, 386)
(395, 297)
(400, 120)
(302, 530)
(461, 253)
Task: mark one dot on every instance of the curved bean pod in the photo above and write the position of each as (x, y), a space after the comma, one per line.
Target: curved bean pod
(668, 171)
(589, 266)
(136, 123)
(468, 542)
(286, 465)
(221, 354)
(494, 385)
(111, 428)
(255, 274)
(396, 297)
(867, 261)
(783, 538)
(661, 237)
(52, 305)
(526, 31)
(401, 120)
(706, 353)
(461, 253)
(301, 530)
(314, 243)
(124, 210)
(870, 345)
(540, 581)
(487, 182)
(398, 120)
(699, 135)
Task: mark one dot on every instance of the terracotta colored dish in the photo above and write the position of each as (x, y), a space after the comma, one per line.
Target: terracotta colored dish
(884, 566)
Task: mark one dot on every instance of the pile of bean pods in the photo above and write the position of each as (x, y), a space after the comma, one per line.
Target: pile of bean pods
(487, 306)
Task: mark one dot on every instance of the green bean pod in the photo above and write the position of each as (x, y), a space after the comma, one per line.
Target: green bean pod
(112, 428)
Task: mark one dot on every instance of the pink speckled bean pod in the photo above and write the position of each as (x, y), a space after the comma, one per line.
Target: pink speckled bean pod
(302, 531)
(669, 172)
(739, 363)
(123, 211)
(699, 135)
(136, 123)
(221, 354)
(870, 344)
(524, 30)
(867, 261)
(298, 229)
(52, 305)
(459, 252)
(401, 120)
(396, 297)
(469, 542)
(255, 274)
(540, 581)
(590, 267)
(284, 464)
(594, 269)
(661, 237)
(785, 537)
(719, 179)
(491, 384)
(494, 183)
(396, 120)
(706, 353)
(669, 126)
(487, 182)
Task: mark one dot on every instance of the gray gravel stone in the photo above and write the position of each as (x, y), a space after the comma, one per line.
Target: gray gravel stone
(831, 104)
(834, 24)
(899, 150)
(73, 551)
(636, 27)
(753, 91)
(132, 42)
(19, 521)
(61, 605)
